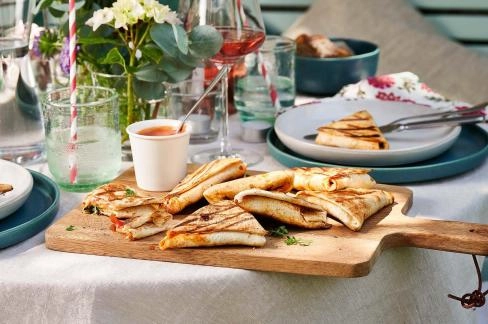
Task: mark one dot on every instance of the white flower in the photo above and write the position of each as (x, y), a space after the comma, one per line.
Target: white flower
(172, 18)
(100, 17)
(127, 12)
(138, 54)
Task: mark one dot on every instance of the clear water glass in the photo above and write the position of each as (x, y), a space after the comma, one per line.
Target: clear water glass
(97, 150)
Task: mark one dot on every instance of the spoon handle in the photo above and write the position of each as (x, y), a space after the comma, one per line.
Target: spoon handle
(210, 87)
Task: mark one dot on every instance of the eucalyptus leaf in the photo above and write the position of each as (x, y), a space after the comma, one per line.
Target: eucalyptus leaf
(151, 73)
(114, 57)
(181, 38)
(205, 41)
(176, 70)
(163, 36)
(148, 90)
(189, 59)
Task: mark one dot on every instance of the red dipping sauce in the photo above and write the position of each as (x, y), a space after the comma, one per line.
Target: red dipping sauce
(163, 130)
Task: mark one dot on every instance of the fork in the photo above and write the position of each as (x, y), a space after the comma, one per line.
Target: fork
(461, 117)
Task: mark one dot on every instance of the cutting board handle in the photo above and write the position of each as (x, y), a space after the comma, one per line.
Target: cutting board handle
(441, 235)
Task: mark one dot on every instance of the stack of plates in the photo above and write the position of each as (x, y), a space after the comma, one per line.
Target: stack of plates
(29, 207)
(415, 155)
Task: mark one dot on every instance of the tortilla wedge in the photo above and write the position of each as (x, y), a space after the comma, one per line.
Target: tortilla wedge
(350, 206)
(356, 131)
(114, 197)
(283, 207)
(191, 188)
(331, 179)
(5, 187)
(223, 223)
(275, 180)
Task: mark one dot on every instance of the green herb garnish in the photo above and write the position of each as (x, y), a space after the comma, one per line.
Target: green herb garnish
(129, 192)
(70, 228)
(280, 231)
(292, 240)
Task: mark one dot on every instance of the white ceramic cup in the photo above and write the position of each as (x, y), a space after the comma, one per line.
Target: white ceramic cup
(160, 162)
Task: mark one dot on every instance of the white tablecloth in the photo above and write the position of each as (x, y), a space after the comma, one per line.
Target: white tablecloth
(406, 285)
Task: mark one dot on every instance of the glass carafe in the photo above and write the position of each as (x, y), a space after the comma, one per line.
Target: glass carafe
(21, 127)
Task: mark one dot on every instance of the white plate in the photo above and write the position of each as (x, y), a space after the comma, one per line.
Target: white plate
(21, 181)
(405, 147)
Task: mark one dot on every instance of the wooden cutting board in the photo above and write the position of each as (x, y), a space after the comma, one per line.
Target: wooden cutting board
(334, 252)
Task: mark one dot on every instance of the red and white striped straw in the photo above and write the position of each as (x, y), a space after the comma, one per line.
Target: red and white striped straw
(273, 93)
(73, 169)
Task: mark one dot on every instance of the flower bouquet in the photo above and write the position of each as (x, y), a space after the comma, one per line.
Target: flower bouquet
(141, 41)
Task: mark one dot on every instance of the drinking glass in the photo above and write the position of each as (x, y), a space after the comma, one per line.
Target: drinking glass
(21, 129)
(242, 28)
(96, 150)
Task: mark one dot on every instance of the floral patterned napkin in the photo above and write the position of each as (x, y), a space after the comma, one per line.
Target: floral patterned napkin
(402, 87)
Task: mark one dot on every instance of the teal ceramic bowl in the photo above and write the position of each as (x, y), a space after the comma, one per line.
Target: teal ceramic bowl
(326, 76)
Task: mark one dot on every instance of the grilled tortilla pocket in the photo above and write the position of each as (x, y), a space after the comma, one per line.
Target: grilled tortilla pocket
(350, 206)
(356, 131)
(191, 188)
(331, 179)
(113, 197)
(276, 180)
(283, 207)
(223, 223)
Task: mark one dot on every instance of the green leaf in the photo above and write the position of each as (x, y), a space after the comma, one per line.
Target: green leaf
(181, 38)
(151, 73)
(152, 52)
(114, 57)
(129, 192)
(176, 70)
(70, 228)
(148, 90)
(280, 231)
(292, 240)
(189, 59)
(98, 40)
(205, 41)
(164, 37)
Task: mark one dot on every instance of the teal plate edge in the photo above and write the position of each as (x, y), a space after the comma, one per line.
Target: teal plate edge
(35, 215)
(468, 152)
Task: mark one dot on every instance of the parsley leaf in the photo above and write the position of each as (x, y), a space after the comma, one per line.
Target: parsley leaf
(129, 192)
(292, 240)
(70, 228)
(280, 231)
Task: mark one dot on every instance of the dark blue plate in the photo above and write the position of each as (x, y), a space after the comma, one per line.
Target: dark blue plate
(468, 151)
(35, 214)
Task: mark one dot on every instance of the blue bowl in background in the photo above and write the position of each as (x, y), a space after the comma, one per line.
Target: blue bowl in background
(326, 76)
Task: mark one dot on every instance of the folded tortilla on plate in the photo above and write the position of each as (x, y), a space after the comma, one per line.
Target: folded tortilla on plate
(283, 207)
(223, 223)
(350, 206)
(275, 180)
(331, 179)
(191, 188)
(356, 131)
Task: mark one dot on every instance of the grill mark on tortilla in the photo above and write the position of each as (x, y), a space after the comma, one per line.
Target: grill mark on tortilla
(214, 219)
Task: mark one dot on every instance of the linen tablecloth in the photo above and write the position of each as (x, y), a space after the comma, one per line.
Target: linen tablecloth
(406, 285)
